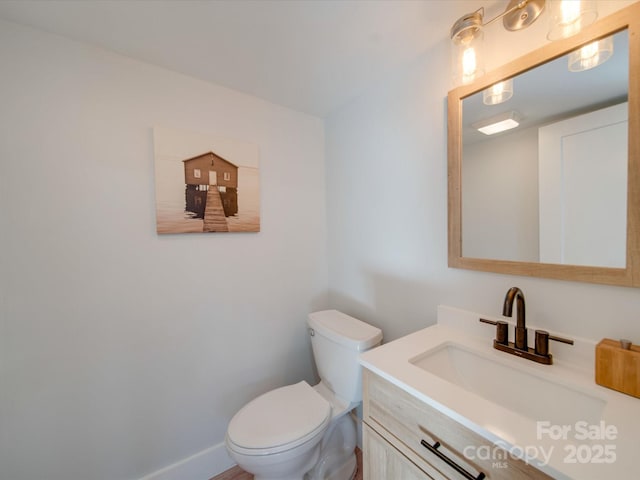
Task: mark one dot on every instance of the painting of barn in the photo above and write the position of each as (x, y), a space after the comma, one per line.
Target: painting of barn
(217, 179)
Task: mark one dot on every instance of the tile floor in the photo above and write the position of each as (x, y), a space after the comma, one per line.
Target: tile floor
(236, 473)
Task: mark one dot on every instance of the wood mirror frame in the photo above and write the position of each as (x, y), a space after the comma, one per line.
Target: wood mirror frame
(626, 18)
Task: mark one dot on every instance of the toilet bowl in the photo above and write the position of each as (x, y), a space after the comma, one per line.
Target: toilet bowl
(299, 432)
(278, 434)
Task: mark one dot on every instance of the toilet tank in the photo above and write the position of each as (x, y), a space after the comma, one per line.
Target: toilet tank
(337, 339)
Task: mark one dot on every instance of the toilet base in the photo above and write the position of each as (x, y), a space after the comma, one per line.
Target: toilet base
(337, 455)
(346, 471)
(298, 474)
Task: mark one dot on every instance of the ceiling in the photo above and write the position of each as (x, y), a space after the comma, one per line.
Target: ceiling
(310, 55)
(550, 92)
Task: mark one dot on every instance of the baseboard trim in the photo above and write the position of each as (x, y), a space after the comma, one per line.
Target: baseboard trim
(201, 466)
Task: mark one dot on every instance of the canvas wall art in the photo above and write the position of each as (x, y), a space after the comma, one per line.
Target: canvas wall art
(205, 183)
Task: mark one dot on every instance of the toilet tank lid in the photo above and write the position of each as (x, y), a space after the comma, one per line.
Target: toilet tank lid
(345, 330)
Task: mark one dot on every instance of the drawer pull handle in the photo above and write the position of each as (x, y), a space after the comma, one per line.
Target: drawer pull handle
(434, 449)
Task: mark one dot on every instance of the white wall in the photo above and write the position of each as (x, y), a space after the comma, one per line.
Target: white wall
(387, 211)
(500, 197)
(121, 351)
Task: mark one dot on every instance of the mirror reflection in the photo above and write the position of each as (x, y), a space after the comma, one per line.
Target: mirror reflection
(553, 188)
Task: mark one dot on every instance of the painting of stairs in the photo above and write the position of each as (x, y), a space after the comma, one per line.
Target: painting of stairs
(214, 219)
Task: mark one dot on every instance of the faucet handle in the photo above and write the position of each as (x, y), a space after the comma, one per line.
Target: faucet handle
(542, 341)
(568, 341)
(502, 331)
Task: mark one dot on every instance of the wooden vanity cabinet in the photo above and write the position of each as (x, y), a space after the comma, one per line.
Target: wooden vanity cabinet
(395, 425)
(382, 461)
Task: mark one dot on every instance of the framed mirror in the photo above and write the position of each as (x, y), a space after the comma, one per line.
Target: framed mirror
(558, 195)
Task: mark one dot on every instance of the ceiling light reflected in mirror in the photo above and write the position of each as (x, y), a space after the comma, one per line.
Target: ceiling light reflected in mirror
(499, 123)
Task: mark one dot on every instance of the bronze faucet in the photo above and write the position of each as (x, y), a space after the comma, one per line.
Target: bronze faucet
(520, 347)
(514, 293)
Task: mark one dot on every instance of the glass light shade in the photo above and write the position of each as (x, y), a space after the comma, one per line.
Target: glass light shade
(591, 55)
(498, 92)
(568, 17)
(467, 57)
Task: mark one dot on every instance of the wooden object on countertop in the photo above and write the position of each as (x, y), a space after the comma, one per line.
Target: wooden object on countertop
(617, 368)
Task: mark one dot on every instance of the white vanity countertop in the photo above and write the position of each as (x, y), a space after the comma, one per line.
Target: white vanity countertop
(606, 455)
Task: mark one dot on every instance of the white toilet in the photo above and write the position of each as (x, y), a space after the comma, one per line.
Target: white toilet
(301, 432)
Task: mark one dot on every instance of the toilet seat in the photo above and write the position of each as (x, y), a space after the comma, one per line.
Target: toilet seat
(279, 420)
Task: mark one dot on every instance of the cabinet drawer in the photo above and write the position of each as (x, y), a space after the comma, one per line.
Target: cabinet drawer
(405, 421)
(384, 462)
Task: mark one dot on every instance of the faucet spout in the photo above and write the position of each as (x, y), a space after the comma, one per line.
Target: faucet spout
(515, 294)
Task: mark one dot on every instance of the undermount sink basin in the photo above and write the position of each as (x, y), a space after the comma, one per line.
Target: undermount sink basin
(529, 395)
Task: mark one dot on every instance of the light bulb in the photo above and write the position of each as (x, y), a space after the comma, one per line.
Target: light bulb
(570, 11)
(568, 17)
(469, 59)
(469, 63)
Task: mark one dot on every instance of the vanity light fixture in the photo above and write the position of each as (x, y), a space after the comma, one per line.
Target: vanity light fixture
(467, 36)
(568, 17)
(499, 123)
(498, 92)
